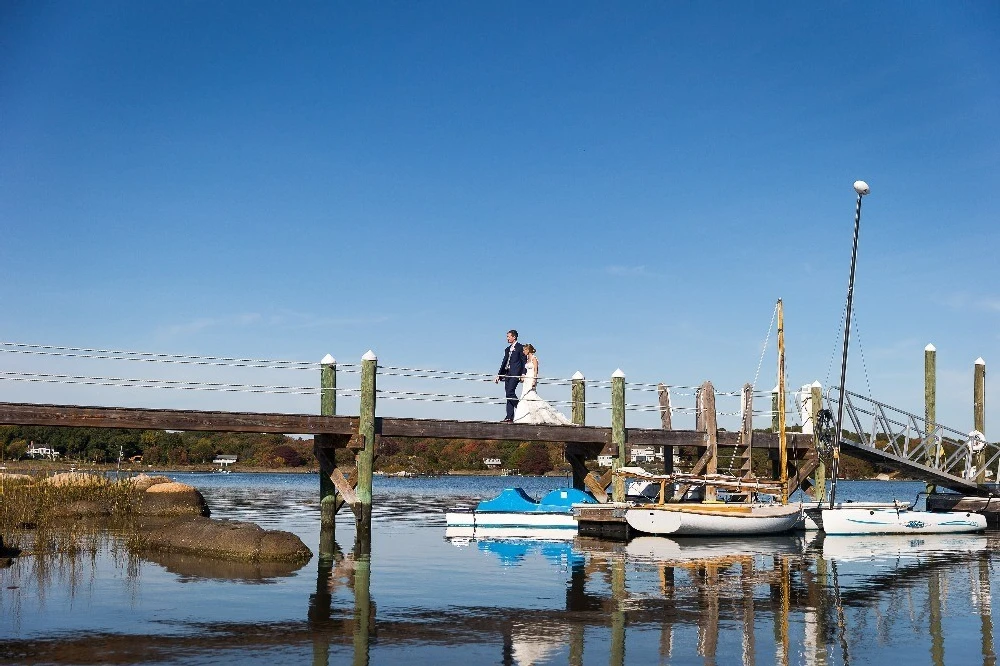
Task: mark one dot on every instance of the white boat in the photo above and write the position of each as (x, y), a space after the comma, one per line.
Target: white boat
(714, 518)
(812, 514)
(900, 521)
(514, 508)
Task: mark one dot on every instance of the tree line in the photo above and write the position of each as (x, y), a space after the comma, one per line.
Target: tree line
(271, 451)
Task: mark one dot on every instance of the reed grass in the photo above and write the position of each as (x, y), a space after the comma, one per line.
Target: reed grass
(66, 513)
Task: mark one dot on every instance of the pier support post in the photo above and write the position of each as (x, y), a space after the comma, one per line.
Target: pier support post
(366, 456)
(618, 432)
(745, 450)
(327, 407)
(579, 399)
(979, 415)
(819, 475)
(711, 422)
(574, 456)
(663, 393)
(930, 409)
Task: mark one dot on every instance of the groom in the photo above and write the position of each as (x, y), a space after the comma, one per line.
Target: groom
(511, 370)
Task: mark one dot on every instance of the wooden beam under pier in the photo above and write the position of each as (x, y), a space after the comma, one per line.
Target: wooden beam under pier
(314, 424)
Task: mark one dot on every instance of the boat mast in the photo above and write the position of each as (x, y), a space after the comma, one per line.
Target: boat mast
(782, 439)
(861, 187)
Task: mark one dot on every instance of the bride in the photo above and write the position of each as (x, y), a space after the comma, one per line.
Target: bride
(530, 407)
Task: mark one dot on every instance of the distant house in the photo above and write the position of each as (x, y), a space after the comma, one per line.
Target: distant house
(224, 460)
(605, 460)
(41, 452)
(492, 463)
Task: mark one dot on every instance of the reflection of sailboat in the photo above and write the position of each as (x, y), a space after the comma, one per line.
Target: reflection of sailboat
(848, 548)
(537, 644)
(664, 550)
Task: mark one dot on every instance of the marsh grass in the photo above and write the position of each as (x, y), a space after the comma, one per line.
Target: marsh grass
(69, 514)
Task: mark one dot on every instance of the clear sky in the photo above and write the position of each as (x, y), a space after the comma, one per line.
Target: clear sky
(631, 186)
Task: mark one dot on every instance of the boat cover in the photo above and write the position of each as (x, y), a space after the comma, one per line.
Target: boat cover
(515, 500)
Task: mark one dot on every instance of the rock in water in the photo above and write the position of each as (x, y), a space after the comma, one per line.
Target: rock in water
(224, 539)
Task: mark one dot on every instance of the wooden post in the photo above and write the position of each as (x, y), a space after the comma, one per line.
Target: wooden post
(782, 443)
(663, 391)
(366, 456)
(930, 409)
(618, 432)
(711, 423)
(327, 407)
(819, 475)
(979, 415)
(745, 450)
(579, 399)
(775, 427)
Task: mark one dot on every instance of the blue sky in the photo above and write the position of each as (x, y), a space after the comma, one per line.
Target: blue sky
(629, 186)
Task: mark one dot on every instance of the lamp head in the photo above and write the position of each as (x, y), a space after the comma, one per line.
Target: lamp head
(861, 187)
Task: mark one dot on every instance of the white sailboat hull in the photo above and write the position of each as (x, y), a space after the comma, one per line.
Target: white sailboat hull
(812, 514)
(713, 519)
(891, 521)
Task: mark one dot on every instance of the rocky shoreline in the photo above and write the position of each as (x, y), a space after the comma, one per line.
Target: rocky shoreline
(164, 515)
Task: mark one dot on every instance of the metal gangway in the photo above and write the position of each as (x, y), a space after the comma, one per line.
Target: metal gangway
(891, 437)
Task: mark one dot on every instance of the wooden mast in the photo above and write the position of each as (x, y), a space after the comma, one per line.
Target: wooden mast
(782, 440)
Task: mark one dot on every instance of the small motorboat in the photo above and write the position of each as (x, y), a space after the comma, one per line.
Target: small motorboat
(514, 508)
(812, 514)
(900, 521)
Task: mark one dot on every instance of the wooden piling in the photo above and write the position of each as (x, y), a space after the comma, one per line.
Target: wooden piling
(366, 429)
(930, 409)
(618, 432)
(745, 449)
(327, 407)
(782, 444)
(579, 399)
(663, 392)
(819, 475)
(979, 415)
(710, 420)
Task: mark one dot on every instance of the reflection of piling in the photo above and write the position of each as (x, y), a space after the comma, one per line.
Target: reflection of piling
(618, 596)
(986, 612)
(364, 610)
(934, 619)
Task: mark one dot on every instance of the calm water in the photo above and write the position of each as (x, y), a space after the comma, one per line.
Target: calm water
(425, 598)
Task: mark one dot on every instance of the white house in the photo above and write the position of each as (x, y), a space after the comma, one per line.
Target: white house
(42, 452)
(492, 463)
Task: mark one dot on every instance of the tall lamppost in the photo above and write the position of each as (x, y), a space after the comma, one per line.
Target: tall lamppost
(861, 187)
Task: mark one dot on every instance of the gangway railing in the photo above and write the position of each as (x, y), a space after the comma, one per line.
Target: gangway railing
(887, 435)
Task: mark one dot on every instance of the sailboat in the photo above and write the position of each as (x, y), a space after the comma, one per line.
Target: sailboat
(896, 520)
(746, 515)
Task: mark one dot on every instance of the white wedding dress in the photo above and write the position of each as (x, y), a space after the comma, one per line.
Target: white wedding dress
(531, 408)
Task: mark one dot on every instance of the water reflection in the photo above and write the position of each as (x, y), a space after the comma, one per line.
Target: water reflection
(414, 595)
(835, 594)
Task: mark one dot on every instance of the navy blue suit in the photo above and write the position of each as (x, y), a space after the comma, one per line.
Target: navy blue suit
(511, 370)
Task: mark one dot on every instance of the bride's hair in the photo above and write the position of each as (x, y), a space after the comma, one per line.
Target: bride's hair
(529, 348)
